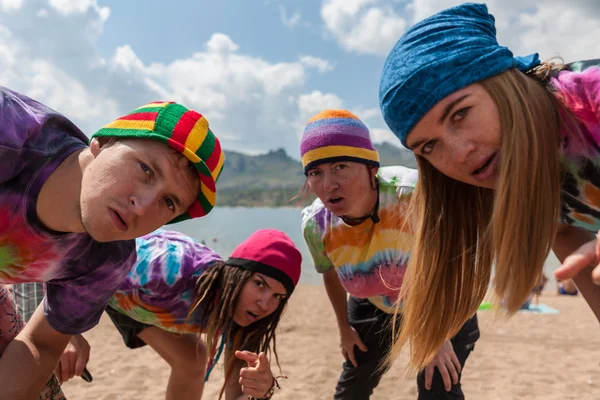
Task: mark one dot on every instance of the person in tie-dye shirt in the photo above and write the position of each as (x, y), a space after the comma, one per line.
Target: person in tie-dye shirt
(358, 234)
(180, 289)
(69, 212)
(508, 152)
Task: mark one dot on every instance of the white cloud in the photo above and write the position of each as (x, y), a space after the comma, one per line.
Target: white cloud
(316, 62)
(221, 44)
(290, 22)
(366, 114)
(550, 27)
(380, 135)
(363, 26)
(313, 103)
(68, 7)
(7, 5)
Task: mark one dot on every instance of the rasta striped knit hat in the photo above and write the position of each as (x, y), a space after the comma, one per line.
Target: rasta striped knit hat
(336, 135)
(185, 131)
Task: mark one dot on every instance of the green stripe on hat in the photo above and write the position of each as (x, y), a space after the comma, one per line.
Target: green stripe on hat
(169, 117)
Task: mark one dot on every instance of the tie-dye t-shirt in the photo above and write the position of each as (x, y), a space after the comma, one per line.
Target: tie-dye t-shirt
(160, 289)
(579, 88)
(370, 258)
(80, 273)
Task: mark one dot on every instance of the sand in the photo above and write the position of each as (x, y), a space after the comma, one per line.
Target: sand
(525, 357)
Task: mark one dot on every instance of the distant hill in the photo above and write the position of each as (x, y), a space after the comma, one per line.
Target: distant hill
(274, 178)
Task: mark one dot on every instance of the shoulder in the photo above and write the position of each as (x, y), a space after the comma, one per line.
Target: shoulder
(397, 178)
(578, 84)
(24, 120)
(314, 212)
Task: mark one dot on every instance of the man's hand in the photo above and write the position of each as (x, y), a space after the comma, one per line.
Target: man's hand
(74, 359)
(348, 339)
(586, 255)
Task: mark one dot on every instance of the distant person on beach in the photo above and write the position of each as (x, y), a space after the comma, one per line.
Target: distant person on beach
(359, 237)
(508, 153)
(70, 208)
(180, 289)
(566, 287)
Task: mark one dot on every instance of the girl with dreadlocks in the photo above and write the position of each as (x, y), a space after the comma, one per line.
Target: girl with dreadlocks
(179, 289)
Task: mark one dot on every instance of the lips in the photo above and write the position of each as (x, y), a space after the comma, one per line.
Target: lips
(117, 220)
(487, 169)
(335, 200)
(252, 317)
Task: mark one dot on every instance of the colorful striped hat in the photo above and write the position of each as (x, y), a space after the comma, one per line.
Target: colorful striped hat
(336, 135)
(187, 132)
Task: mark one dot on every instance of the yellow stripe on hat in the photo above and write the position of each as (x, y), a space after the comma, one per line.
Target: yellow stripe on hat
(197, 135)
(154, 105)
(218, 167)
(209, 194)
(132, 124)
(190, 155)
(338, 151)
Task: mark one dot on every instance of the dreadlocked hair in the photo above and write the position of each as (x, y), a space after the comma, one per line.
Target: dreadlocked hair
(217, 294)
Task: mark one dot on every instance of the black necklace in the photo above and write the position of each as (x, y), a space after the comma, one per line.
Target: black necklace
(373, 214)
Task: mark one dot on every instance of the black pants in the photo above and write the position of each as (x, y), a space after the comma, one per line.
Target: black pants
(374, 329)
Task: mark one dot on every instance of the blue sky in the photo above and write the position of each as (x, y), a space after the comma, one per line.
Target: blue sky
(258, 69)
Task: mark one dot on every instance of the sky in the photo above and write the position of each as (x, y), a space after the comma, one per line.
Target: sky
(257, 69)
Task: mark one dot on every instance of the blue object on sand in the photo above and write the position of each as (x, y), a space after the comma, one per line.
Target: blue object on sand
(533, 308)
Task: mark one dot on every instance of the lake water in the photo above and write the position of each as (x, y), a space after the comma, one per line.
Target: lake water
(226, 227)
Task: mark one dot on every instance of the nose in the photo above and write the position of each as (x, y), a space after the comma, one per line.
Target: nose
(143, 201)
(460, 149)
(263, 303)
(330, 182)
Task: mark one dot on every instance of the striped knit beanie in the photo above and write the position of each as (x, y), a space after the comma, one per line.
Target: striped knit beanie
(185, 131)
(336, 135)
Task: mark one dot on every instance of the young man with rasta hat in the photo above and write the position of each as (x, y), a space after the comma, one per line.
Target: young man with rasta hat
(69, 212)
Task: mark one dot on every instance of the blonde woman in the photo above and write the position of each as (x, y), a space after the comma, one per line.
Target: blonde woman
(508, 153)
(356, 235)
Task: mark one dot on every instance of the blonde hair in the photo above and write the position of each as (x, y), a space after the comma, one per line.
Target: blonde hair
(462, 231)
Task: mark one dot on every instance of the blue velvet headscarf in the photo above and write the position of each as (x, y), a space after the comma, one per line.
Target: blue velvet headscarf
(438, 56)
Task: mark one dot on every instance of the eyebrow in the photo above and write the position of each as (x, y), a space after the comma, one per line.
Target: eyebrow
(443, 117)
(269, 287)
(159, 172)
(263, 280)
(449, 108)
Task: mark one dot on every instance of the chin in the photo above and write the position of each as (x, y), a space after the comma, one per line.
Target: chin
(242, 324)
(100, 233)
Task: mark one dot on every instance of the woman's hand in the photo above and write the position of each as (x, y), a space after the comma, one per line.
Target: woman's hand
(256, 379)
(447, 363)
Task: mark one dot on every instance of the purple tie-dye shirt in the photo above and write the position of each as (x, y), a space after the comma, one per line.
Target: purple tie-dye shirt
(578, 87)
(161, 288)
(81, 274)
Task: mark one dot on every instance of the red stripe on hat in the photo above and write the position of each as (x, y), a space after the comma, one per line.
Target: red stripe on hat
(184, 126)
(141, 116)
(176, 145)
(196, 210)
(214, 158)
(208, 182)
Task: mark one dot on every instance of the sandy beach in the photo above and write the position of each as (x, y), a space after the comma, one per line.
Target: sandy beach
(530, 356)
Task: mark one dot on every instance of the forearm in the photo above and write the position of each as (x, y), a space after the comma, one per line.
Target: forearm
(233, 389)
(567, 241)
(27, 367)
(337, 296)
